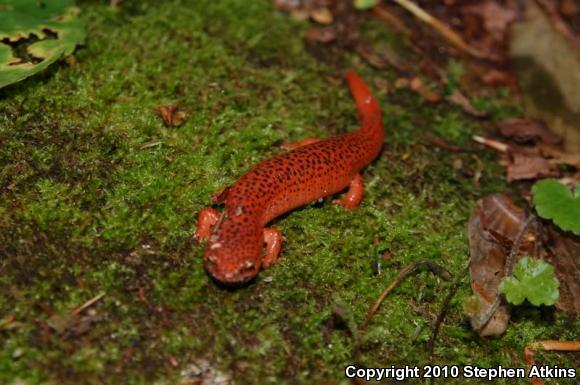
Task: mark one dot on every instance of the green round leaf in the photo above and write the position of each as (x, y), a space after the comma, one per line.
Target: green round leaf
(534, 280)
(21, 20)
(554, 201)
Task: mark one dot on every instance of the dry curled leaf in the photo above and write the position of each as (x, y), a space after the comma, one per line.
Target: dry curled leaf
(528, 129)
(171, 114)
(529, 167)
(492, 230)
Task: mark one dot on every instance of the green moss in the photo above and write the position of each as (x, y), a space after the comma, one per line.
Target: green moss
(97, 195)
(499, 106)
(453, 127)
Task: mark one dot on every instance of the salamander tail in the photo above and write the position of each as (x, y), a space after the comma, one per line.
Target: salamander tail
(368, 108)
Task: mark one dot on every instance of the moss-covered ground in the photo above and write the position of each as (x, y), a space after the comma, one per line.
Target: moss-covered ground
(97, 195)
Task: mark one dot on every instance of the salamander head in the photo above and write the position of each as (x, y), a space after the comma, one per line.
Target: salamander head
(234, 252)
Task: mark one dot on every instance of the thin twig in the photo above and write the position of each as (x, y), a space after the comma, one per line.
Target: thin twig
(529, 352)
(442, 314)
(496, 145)
(511, 259)
(88, 304)
(437, 25)
(405, 272)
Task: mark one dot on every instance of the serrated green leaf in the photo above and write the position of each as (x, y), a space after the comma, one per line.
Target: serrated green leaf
(534, 280)
(365, 4)
(25, 19)
(554, 201)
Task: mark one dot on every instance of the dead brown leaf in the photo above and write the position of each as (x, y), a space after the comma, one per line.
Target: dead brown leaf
(492, 230)
(171, 114)
(528, 130)
(529, 167)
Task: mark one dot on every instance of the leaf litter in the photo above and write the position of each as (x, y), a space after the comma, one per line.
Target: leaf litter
(527, 145)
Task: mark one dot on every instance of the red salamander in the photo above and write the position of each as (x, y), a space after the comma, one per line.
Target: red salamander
(313, 169)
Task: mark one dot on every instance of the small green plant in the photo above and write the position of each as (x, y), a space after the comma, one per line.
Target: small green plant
(556, 202)
(47, 30)
(534, 280)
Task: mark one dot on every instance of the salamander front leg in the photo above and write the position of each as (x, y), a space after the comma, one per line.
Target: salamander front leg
(273, 240)
(301, 143)
(354, 195)
(206, 220)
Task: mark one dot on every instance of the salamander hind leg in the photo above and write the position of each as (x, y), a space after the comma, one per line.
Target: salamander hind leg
(353, 196)
(273, 240)
(206, 220)
(301, 143)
